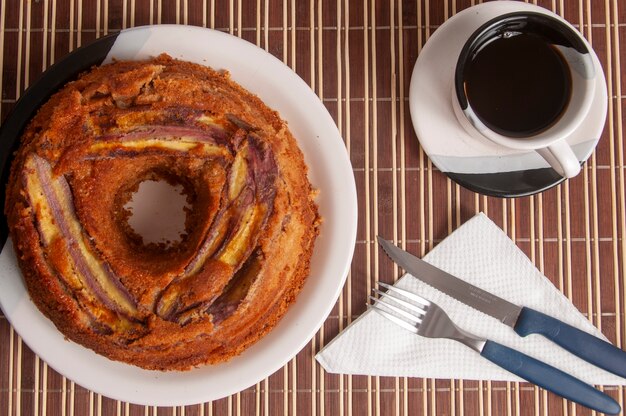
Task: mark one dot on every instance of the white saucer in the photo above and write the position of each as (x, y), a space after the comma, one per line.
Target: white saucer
(475, 162)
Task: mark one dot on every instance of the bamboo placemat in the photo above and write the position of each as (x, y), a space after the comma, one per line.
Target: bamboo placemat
(358, 56)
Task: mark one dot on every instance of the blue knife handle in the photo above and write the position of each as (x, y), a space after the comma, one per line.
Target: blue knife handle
(549, 378)
(591, 349)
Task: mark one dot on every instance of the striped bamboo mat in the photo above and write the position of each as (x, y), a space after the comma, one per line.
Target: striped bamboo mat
(358, 56)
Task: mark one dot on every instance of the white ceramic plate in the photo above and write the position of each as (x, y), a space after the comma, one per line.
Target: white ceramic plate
(330, 172)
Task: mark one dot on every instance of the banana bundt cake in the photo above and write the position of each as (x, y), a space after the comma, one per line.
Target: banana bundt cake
(250, 225)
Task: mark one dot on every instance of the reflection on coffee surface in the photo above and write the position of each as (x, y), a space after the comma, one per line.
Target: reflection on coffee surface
(518, 84)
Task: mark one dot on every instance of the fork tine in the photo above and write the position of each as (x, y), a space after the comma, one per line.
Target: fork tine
(393, 318)
(417, 309)
(407, 315)
(405, 293)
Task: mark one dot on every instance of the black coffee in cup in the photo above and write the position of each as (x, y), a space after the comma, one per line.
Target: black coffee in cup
(515, 77)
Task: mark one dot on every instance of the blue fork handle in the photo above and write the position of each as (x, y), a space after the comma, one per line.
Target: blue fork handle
(550, 378)
(591, 349)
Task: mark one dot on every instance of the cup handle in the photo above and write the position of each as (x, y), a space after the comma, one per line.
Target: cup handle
(561, 157)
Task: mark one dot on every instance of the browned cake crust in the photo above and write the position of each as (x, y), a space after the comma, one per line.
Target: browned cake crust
(248, 235)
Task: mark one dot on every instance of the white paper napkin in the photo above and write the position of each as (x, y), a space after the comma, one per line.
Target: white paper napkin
(480, 253)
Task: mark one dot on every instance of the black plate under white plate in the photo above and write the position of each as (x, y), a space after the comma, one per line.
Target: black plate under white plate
(329, 171)
(475, 162)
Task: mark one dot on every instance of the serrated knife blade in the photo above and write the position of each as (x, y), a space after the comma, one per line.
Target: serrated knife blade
(504, 311)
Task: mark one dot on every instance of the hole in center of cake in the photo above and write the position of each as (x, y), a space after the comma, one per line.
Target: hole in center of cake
(158, 211)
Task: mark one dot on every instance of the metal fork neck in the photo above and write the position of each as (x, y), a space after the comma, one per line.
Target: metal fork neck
(475, 343)
(438, 325)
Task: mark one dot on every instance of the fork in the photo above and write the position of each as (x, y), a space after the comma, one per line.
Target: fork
(429, 320)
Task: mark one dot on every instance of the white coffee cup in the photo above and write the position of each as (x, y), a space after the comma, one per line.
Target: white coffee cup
(550, 142)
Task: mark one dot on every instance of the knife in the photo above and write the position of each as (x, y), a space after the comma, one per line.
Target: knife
(523, 320)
